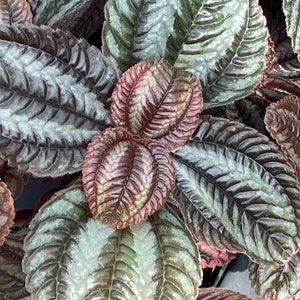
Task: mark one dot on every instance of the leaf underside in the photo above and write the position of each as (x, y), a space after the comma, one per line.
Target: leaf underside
(70, 255)
(220, 294)
(237, 191)
(81, 17)
(15, 11)
(7, 213)
(282, 120)
(190, 35)
(54, 90)
(277, 283)
(126, 179)
(155, 101)
(292, 20)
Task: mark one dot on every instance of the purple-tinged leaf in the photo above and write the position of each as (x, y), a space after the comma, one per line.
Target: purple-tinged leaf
(7, 213)
(125, 178)
(238, 192)
(281, 283)
(220, 294)
(15, 11)
(282, 120)
(156, 101)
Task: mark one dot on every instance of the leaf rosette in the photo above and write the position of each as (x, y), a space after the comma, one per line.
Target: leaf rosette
(126, 178)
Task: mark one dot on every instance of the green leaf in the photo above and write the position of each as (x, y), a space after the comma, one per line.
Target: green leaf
(81, 17)
(156, 101)
(237, 191)
(125, 178)
(15, 11)
(70, 255)
(291, 9)
(190, 35)
(12, 277)
(277, 283)
(54, 92)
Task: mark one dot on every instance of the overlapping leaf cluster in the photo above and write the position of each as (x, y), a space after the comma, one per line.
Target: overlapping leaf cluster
(66, 107)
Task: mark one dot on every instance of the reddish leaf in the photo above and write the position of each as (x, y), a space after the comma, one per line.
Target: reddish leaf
(7, 213)
(156, 101)
(126, 179)
(282, 120)
(212, 257)
(220, 294)
(15, 11)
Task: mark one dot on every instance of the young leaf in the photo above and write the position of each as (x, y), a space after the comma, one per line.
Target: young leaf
(154, 100)
(70, 255)
(126, 179)
(81, 17)
(220, 294)
(54, 90)
(12, 277)
(15, 11)
(277, 283)
(236, 189)
(292, 20)
(191, 34)
(7, 213)
(282, 120)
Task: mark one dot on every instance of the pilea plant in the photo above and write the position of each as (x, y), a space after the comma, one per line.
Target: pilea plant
(176, 139)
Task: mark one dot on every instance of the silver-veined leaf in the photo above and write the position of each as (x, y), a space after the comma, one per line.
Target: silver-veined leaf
(237, 190)
(70, 255)
(291, 9)
(126, 178)
(54, 92)
(190, 35)
(15, 11)
(281, 283)
(81, 17)
(154, 100)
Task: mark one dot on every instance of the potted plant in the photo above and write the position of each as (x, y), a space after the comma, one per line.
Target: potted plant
(175, 139)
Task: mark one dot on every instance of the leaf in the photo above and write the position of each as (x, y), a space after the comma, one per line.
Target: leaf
(12, 277)
(126, 179)
(54, 92)
(291, 12)
(81, 17)
(14, 180)
(190, 35)
(220, 294)
(237, 191)
(212, 257)
(15, 11)
(7, 213)
(154, 100)
(281, 283)
(282, 120)
(70, 255)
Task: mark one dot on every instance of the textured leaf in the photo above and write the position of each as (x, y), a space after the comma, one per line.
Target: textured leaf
(220, 294)
(190, 35)
(15, 11)
(212, 257)
(7, 213)
(236, 190)
(280, 283)
(14, 180)
(126, 179)
(282, 120)
(155, 101)
(12, 277)
(70, 255)
(81, 17)
(291, 9)
(53, 92)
